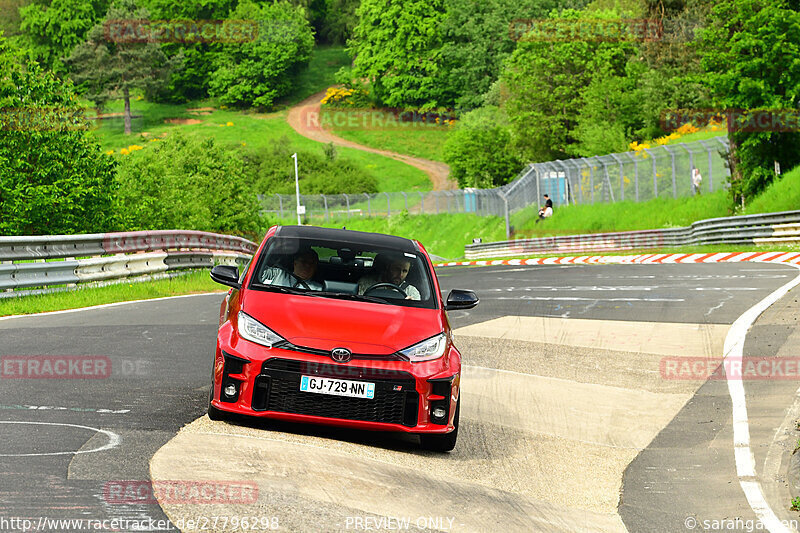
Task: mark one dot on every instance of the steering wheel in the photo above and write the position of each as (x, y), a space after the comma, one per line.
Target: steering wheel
(300, 282)
(391, 286)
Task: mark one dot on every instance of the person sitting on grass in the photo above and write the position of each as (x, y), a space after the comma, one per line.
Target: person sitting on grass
(546, 211)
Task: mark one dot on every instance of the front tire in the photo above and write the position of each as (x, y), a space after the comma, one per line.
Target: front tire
(442, 443)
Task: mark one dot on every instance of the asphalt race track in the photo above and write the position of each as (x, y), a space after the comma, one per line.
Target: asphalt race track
(571, 419)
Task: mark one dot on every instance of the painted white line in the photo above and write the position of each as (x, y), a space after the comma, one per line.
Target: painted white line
(113, 439)
(104, 306)
(745, 461)
(577, 299)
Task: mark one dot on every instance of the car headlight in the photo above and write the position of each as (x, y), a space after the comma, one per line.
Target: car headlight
(427, 350)
(254, 331)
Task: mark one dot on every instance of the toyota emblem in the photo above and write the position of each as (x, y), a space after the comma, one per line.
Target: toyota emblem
(341, 355)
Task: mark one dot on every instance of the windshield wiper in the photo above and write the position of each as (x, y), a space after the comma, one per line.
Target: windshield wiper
(346, 296)
(281, 288)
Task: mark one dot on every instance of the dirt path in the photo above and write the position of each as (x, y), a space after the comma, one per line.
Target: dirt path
(304, 119)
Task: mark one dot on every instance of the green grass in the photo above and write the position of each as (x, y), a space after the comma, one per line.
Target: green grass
(192, 283)
(781, 195)
(419, 140)
(623, 216)
(255, 130)
(325, 62)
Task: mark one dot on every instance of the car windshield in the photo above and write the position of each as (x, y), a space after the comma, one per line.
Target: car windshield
(344, 271)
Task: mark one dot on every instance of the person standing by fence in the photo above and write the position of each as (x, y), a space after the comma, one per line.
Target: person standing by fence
(697, 179)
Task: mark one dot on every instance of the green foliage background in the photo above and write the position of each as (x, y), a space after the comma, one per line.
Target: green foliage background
(53, 177)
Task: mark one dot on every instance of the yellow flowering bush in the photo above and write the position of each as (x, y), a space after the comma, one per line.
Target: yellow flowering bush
(344, 97)
(687, 128)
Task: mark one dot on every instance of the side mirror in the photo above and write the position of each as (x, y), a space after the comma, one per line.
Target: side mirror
(227, 275)
(461, 299)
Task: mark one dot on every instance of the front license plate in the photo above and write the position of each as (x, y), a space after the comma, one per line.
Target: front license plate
(338, 387)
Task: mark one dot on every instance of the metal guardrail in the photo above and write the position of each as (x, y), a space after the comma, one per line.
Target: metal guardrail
(49, 260)
(769, 228)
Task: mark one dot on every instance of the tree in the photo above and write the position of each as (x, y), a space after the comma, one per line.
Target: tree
(110, 68)
(479, 152)
(546, 78)
(478, 35)
(51, 31)
(751, 54)
(199, 58)
(256, 73)
(340, 21)
(397, 46)
(54, 179)
(186, 183)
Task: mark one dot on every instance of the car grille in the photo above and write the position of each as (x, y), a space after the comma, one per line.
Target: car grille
(278, 389)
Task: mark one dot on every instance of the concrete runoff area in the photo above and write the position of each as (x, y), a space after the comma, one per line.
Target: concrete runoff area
(535, 452)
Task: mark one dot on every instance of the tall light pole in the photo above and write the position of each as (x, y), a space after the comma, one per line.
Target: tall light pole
(297, 187)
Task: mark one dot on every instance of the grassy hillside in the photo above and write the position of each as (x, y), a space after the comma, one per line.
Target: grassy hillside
(420, 140)
(621, 216)
(236, 128)
(781, 195)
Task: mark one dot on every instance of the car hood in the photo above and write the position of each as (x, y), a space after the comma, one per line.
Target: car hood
(328, 323)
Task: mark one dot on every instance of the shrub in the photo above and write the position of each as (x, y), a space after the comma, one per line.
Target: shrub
(186, 183)
(478, 150)
(271, 171)
(257, 73)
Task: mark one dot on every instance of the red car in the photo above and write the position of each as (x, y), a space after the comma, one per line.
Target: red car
(339, 327)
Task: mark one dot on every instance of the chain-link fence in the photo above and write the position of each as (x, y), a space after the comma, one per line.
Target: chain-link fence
(657, 172)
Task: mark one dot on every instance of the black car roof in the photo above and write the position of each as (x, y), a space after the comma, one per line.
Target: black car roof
(346, 236)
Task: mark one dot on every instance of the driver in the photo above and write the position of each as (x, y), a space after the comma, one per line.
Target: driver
(393, 269)
(304, 267)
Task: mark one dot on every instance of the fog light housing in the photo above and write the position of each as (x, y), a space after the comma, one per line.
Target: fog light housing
(439, 413)
(230, 390)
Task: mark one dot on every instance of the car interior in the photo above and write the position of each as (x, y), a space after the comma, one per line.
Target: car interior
(341, 267)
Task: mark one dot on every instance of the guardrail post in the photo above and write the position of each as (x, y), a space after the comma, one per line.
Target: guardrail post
(280, 205)
(405, 197)
(436, 201)
(325, 201)
(369, 205)
(388, 205)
